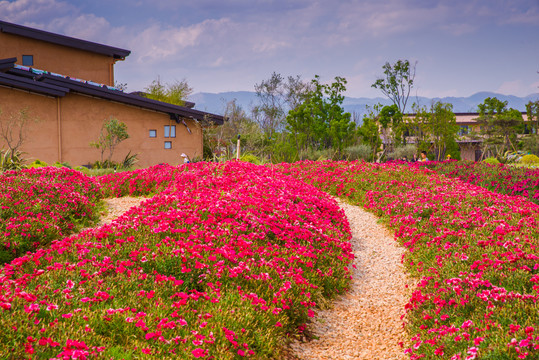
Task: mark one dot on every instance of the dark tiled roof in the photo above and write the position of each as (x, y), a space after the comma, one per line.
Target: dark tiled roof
(32, 33)
(47, 83)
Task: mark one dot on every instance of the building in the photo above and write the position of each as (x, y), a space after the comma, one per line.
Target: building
(66, 85)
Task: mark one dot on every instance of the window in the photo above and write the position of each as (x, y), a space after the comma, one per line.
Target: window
(153, 133)
(464, 130)
(168, 144)
(28, 60)
(170, 131)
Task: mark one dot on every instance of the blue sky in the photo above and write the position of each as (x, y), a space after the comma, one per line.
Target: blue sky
(461, 46)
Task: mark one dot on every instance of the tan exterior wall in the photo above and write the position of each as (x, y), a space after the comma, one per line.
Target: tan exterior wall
(59, 59)
(67, 125)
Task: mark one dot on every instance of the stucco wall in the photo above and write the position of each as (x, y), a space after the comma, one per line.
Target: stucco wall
(80, 119)
(59, 59)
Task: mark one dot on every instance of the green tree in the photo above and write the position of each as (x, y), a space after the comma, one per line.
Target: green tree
(222, 139)
(276, 96)
(320, 122)
(531, 142)
(442, 128)
(112, 133)
(174, 93)
(369, 131)
(397, 82)
(500, 126)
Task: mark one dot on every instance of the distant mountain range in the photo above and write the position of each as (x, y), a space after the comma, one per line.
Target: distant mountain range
(216, 103)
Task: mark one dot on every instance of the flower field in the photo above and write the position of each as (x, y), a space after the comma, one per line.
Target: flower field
(498, 178)
(40, 205)
(225, 261)
(474, 253)
(222, 262)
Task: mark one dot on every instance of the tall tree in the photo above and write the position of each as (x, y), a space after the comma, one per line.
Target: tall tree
(276, 97)
(397, 82)
(320, 122)
(500, 126)
(442, 128)
(369, 131)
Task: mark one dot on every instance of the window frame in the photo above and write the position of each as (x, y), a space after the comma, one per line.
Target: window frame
(169, 143)
(27, 57)
(154, 132)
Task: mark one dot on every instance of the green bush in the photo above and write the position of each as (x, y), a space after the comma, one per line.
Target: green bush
(407, 151)
(38, 164)
(250, 158)
(491, 161)
(359, 152)
(529, 159)
(9, 161)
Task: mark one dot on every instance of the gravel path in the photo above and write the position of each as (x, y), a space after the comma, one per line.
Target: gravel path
(366, 322)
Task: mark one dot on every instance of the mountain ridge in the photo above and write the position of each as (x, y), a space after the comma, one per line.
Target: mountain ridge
(216, 102)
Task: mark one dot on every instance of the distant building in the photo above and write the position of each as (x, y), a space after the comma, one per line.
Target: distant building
(469, 140)
(67, 84)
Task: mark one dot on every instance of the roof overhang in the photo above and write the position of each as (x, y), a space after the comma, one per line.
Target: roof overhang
(63, 40)
(47, 83)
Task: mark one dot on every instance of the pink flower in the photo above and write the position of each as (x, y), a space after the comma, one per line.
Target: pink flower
(198, 352)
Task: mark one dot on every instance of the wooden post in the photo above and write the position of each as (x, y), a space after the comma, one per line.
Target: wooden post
(238, 148)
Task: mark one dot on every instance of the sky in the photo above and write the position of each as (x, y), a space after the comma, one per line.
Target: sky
(460, 47)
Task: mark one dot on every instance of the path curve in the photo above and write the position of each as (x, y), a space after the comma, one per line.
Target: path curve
(365, 323)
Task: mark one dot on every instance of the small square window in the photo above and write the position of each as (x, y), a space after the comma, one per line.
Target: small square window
(168, 144)
(28, 60)
(153, 133)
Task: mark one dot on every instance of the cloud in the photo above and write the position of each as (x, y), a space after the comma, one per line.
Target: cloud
(518, 88)
(32, 12)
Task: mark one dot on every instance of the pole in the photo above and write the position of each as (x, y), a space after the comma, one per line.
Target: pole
(238, 148)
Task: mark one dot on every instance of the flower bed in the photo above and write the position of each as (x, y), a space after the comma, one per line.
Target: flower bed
(40, 205)
(497, 177)
(222, 263)
(473, 251)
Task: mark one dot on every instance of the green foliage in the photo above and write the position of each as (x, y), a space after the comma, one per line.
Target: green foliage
(358, 152)
(38, 164)
(500, 126)
(250, 158)
(531, 144)
(370, 132)
(491, 161)
(397, 82)
(174, 93)
(320, 122)
(529, 159)
(276, 96)
(112, 133)
(11, 160)
(436, 130)
(62, 164)
(407, 151)
(220, 142)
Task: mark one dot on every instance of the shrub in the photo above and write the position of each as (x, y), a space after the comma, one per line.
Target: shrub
(358, 152)
(408, 150)
(529, 159)
(491, 161)
(37, 164)
(250, 158)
